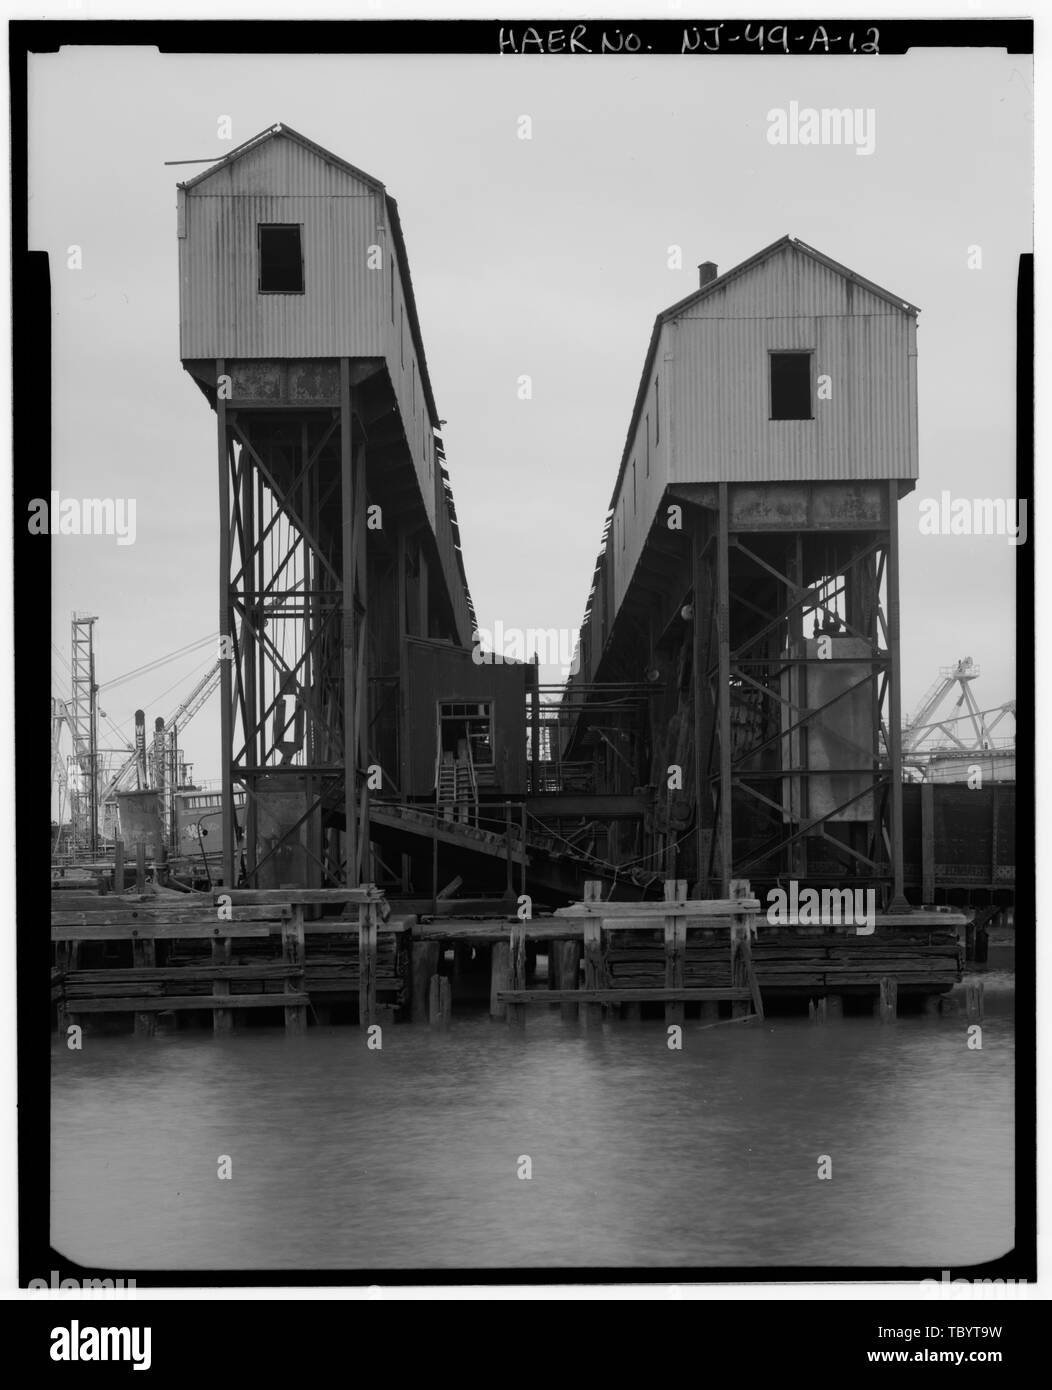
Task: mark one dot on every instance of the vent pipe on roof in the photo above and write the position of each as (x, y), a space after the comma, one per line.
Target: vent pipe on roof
(707, 272)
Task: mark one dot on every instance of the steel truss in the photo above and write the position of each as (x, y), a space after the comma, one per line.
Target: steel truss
(758, 595)
(293, 638)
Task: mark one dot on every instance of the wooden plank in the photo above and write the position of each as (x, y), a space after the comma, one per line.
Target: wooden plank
(364, 893)
(693, 907)
(190, 913)
(160, 931)
(619, 996)
(95, 902)
(101, 980)
(161, 1003)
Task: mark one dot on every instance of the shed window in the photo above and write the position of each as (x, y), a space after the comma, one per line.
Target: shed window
(467, 728)
(791, 386)
(280, 259)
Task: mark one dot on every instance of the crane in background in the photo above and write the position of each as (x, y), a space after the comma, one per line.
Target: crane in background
(977, 735)
(88, 782)
(167, 775)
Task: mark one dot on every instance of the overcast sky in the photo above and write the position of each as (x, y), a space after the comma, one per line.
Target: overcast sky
(546, 257)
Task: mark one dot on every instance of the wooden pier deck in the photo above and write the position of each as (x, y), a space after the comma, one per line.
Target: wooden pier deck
(248, 950)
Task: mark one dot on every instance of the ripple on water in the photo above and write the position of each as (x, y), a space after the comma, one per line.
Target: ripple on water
(349, 1159)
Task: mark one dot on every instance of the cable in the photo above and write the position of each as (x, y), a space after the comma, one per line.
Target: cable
(159, 661)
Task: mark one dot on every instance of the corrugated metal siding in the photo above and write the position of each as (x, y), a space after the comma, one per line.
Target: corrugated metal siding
(221, 312)
(345, 310)
(790, 282)
(284, 167)
(723, 429)
(634, 518)
(404, 371)
(717, 402)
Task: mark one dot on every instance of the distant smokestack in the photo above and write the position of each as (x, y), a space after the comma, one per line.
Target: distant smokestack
(707, 272)
(140, 748)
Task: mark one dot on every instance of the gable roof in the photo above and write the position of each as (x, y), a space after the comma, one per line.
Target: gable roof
(720, 283)
(282, 131)
(271, 133)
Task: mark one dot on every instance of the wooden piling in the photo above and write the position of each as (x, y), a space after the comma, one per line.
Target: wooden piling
(817, 1010)
(567, 955)
(517, 954)
(293, 953)
(834, 1007)
(927, 806)
(118, 866)
(889, 993)
(140, 867)
(974, 1000)
(440, 1002)
(367, 944)
(222, 1019)
(675, 948)
(144, 956)
(500, 974)
(594, 972)
(424, 964)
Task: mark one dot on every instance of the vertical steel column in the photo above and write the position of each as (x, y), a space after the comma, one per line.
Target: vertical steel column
(799, 788)
(723, 608)
(348, 635)
(698, 684)
(401, 560)
(225, 637)
(359, 599)
(898, 898)
(255, 741)
(535, 728)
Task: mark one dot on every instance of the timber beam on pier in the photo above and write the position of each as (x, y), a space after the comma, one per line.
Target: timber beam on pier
(224, 952)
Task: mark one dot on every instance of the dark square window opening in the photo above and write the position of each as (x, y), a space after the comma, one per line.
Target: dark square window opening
(280, 259)
(791, 386)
